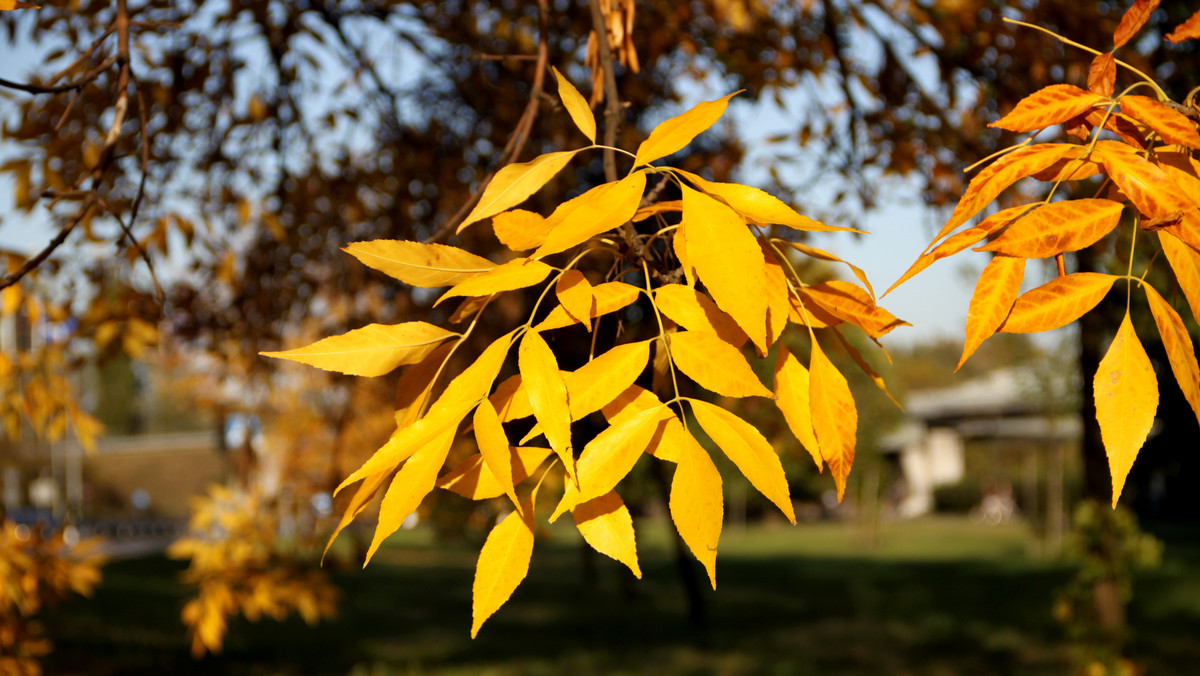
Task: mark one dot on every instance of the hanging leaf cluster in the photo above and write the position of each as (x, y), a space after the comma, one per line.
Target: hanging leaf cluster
(1144, 149)
(719, 284)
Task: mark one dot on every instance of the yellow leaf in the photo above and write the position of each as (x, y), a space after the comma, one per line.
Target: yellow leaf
(1126, 400)
(697, 504)
(409, 487)
(503, 564)
(406, 441)
(779, 295)
(749, 451)
(415, 387)
(358, 503)
(667, 439)
(667, 206)
(547, 395)
(679, 246)
(597, 383)
(757, 206)
(729, 261)
(515, 274)
(493, 447)
(473, 478)
(1178, 345)
(1185, 262)
(425, 265)
(998, 287)
(791, 396)
(834, 416)
(853, 304)
(577, 106)
(610, 455)
(598, 210)
(677, 132)
(575, 296)
(1048, 106)
(819, 254)
(515, 183)
(373, 350)
(1174, 127)
(520, 230)
(715, 365)
(606, 525)
(6, 5)
(609, 297)
(1057, 303)
(476, 380)
(696, 311)
(1058, 227)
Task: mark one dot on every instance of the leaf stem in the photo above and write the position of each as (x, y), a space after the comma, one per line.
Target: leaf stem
(662, 336)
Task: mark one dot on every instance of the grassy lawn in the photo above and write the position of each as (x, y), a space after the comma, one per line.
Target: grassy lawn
(927, 597)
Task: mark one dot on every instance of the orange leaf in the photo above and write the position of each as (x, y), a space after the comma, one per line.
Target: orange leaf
(696, 311)
(1057, 227)
(503, 564)
(715, 365)
(753, 455)
(819, 254)
(834, 416)
(1188, 30)
(520, 230)
(1185, 262)
(1132, 21)
(1126, 400)
(998, 287)
(515, 274)
(575, 295)
(791, 396)
(853, 304)
(609, 297)
(409, 487)
(1057, 303)
(1174, 127)
(1048, 106)
(1102, 76)
(606, 525)
(547, 394)
(961, 240)
(1178, 344)
(1144, 183)
(1070, 169)
(697, 505)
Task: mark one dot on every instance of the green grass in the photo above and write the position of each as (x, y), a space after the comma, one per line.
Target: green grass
(929, 597)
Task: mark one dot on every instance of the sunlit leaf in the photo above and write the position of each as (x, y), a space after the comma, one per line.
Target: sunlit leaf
(577, 106)
(1132, 21)
(675, 133)
(373, 350)
(1181, 353)
(779, 294)
(473, 478)
(6, 5)
(1057, 303)
(667, 440)
(697, 504)
(696, 311)
(575, 296)
(609, 297)
(834, 416)
(476, 380)
(547, 394)
(853, 304)
(715, 365)
(520, 230)
(1058, 227)
(679, 246)
(361, 498)
(1048, 106)
(1188, 30)
(1126, 400)
(493, 447)
(998, 287)
(412, 483)
(1174, 127)
(502, 566)
(791, 396)
(423, 265)
(515, 274)
(756, 206)
(515, 183)
(820, 254)
(596, 211)
(606, 525)
(1185, 263)
(753, 455)
(406, 441)
(1102, 75)
(1146, 185)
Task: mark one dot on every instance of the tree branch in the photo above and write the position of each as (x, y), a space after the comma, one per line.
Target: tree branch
(612, 103)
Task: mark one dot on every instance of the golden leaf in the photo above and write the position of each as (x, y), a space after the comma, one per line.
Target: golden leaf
(998, 287)
(679, 246)
(409, 487)
(609, 297)
(1144, 183)
(473, 478)
(962, 240)
(729, 261)
(779, 295)
(425, 265)
(1048, 106)
(598, 210)
(1174, 127)
(1178, 345)
(1185, 262)
(502, 566)
(515, 274)
(360, 500)
(715, 365)
(575, 296)
(606, 525)
(577, 106)
(493, 448)
(667, 206)
(406, 441)
(749, 451)
(695, 310)
(515, 183)
(373, 350)
(834, 416)
(1058, 227)
(1102, 75)
(697, 504)
(853, 304)
(1132, 21)
(520, 230)
(415, 388)
(1057, 303)
(547, 394)
(757, 206)
(1188, 30)
(1126, 400)
(820, 254)
(6, 5)
(666, 440)
(675, 133)
(791, 396)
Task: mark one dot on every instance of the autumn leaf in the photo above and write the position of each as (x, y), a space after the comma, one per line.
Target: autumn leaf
(757, 206)
(7, 5)
(1178, 344)
(493, 447)
(1174, 127)
(791, 396)
(960, 241)
(679, 246)
(596, 211)
(474, 479)
(1132, 21)
(423, 265)
(834, 416)
(1057, 303)
(667, 439)
(1145, 184)
(729, 261)
(520, 230)
(609, 297)
(696, 311)
(515, 274)
(819, 254)
(675, 133)
(415, 388)
(475, 381)
(853, 304)
(547, 395)
(606, 525)
(998, 286)
(575, 296)
(1185, 263)
(577, 106)
(1102, 75)
(697, 504)
(779, 294)
(715, 365)
(1048, 106)
(515, 183)
(753, 455)
(502, 566)
(1188, 30)
(1057, 227)
(358, 502)
(1126, 400)
(373, 350)
(408, 440)
(412, 483)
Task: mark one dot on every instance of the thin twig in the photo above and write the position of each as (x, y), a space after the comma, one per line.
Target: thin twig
(42, 255)
(612, 104)
(59, 89)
